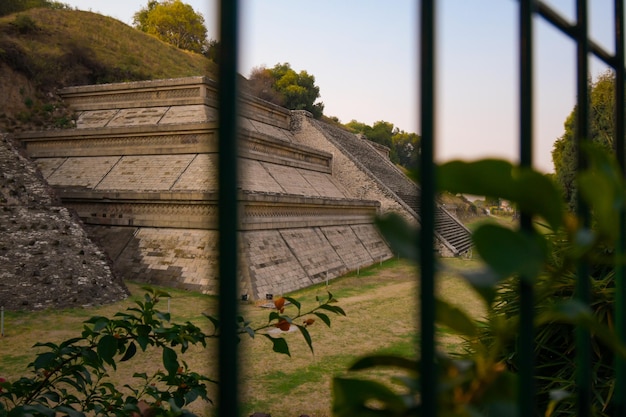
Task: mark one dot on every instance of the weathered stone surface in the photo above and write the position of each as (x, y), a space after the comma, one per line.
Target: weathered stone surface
(96, 118)
(348, 246)
(145, 172)
(145, 180)
(315, 254)
(82, 172)
(141, 116)
(46, 258)
(364, 168)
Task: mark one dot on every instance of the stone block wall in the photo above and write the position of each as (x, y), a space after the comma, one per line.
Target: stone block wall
(141, 171)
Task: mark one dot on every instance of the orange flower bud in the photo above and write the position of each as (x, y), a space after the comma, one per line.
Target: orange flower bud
(279, 303)
(283, 325)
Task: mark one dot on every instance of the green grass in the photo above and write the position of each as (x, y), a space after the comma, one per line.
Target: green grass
(380, 303)
(74, 46)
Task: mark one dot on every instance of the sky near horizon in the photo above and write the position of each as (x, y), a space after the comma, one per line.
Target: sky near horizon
(364, 57)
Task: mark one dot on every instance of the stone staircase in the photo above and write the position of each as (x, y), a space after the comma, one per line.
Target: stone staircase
(452, 234)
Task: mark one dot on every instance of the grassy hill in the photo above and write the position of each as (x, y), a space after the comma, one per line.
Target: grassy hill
(42, 50)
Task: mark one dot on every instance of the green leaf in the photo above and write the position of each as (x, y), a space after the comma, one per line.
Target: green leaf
(510, 252)
(107, 348)
(274, 315)
(50, 345)
(323, 317)
(170, 361)
(334, 309)
(99, 322)
(294, 302)
(353, 397)
(130, 352)
(213, 320)
(71, 341)
(374, 361)
(401, 236)
(161, 294)
(143, 336)
(535, 194)
(44, 360)
(455, 319)
(484, 282)
(531, 191)
(279, 344)
(486, 177)
(164, 316)
(91, 358)
(51, 396)
(34, 409)
(307, 337)
(250, 331)
(606, 199)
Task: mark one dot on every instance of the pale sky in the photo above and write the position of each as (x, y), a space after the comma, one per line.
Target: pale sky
(363, 54)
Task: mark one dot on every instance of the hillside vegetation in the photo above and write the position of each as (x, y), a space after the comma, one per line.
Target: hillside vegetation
(42, 50)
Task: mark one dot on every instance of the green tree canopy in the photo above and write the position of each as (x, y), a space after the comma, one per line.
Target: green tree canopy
(283, 86)
(403, 146)
(173, 22)
(564, 153)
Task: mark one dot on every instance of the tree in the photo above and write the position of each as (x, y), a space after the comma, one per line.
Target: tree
(261, 83)
(283, 86)
(380, 132)
(403, 147)
(564, 154)
(173, 22)
(212, 50)
(407, 148)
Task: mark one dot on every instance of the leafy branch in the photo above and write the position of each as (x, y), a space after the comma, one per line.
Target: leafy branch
(278, 319)
(72, 378)
(483, 380)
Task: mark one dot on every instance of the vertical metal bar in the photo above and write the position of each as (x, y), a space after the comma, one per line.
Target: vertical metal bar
(526, 393)
(227, 101)
(583, 344)
(428, 368)
(620, 273)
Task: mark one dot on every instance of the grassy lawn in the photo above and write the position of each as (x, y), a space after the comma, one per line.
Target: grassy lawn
(382, 316)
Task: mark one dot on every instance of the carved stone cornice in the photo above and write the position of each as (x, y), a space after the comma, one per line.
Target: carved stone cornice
(170, 92)
(139, 140)
(258, 211)
(265, 148)
(180, 214)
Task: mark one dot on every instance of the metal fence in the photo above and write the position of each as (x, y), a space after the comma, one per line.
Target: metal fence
(528, 9)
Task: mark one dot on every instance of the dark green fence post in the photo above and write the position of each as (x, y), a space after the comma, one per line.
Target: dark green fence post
(583, 345)
(620, 273)
(428, 369)
(526, 394)
(227, 100)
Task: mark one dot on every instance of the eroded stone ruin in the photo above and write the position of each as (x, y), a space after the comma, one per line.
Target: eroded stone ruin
(47, 259)
(140, 171)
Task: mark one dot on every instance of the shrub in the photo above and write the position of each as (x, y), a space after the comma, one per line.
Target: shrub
(72, 378)
(483, 381)
(24, 24)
